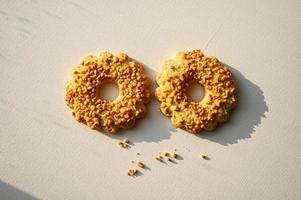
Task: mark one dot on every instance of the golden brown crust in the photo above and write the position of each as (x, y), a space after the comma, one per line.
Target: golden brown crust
(216, 80)
(134, 89)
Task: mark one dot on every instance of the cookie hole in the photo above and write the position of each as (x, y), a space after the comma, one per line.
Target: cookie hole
(195, 92)
(108, 91)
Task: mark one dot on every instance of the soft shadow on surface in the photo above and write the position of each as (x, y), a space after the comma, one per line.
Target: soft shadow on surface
(247, 115)
(8, 192)
(154, 126)
(139, 173)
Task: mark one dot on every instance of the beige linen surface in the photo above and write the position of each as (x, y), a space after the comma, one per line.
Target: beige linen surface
(46, 154)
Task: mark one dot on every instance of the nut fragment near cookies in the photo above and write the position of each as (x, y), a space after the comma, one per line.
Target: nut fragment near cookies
(123, 143)
(83, 87)
(132, 172)
(203, 156)
(139, 164)
(219, 91)
(171, 154)
(168, 155)
(158, 157)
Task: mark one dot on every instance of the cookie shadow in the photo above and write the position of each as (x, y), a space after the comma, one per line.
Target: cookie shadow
(154, 126)
(245, 117)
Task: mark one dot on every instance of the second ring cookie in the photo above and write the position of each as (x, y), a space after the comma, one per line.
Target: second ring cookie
(219, 88)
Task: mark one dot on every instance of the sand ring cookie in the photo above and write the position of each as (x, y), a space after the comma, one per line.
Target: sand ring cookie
(218, 85)
(97, 113)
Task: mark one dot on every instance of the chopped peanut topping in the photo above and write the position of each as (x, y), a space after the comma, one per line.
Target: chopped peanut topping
(219, 89)
(97, 113)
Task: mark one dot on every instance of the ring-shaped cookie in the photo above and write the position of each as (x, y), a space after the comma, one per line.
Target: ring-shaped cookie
(97, 113)
(219, 91)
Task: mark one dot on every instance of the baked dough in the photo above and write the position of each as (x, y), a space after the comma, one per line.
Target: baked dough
(219, 91)
(97, 113)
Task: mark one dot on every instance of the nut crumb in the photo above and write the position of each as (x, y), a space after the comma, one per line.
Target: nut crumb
(166, 154)
(173, 155)
(203, 156)
(132, 172)
(140, 164)
(158, 157)
(123, 143)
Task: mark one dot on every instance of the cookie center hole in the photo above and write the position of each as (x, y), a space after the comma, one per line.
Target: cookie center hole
(108, 91)
(195, 92)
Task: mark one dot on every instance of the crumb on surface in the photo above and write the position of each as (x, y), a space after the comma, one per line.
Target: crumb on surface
(132, 172)
(139, 164)
(123, 143)
(173, 154)
(166, 154)
(158, 157)
(203, 156)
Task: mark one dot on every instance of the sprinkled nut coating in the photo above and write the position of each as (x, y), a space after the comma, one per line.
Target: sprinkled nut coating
(219, 91)
(97, 113)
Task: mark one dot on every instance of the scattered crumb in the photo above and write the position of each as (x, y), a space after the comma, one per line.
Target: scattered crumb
(166, 154)
(158, 157)
(123, 143)
(132, 172)
(138, 154)
(173, 155)
(203, 156)
(169, 156)
(140, 164)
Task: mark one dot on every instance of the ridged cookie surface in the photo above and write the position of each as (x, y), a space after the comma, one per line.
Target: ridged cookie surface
(97, 113)
(219, 88)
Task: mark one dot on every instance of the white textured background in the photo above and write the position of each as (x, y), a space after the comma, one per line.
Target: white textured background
(45, 154)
